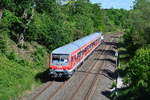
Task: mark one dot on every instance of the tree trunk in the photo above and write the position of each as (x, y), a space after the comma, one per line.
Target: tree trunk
(1, 13)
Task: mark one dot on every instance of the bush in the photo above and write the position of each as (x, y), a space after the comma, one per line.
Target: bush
(138, 33)
(3, 40)
(138, 77)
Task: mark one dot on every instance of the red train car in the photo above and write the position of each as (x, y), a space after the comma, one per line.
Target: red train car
(65, 60)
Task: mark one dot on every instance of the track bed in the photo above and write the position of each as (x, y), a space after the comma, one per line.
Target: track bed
(90, 82)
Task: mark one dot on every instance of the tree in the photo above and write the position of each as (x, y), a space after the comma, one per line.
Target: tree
(139, 26)
(137, 77)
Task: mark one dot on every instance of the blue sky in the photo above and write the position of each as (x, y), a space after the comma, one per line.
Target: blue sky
(125, 4)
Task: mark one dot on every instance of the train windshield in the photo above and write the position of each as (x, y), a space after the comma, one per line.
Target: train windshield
(60, 59)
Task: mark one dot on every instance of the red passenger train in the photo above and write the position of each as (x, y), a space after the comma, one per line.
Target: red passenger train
(65, 60)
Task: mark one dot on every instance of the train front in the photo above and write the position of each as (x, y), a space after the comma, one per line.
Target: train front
(59, 65)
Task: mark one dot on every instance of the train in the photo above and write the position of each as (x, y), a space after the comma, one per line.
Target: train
(66, 59)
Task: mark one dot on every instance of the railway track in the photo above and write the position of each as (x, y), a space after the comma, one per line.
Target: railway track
(89, 65)
(44, 89)
(47, 86)
(87, 70)
(54, 93)
(92, 88)
(87, 75)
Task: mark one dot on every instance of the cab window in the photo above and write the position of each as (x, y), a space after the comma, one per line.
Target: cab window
(60, 59)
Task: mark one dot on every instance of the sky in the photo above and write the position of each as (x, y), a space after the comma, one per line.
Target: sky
(125, 4)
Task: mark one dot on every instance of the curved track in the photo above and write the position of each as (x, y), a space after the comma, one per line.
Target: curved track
(86, 76)
(83, 84)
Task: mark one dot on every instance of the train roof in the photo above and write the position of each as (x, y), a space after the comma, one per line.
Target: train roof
(71, 47)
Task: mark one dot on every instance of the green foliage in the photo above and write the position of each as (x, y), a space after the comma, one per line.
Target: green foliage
(138, 33)
(139, 66)
(8, 19)
(85, 17)
(13, 76)
(115, 19)
(114, 84)
(84, 25)
(49, 6)
(17, 6)
(3, 40)
(138, 77)
(17, 74)
(49, 23)
(66, 22)
(11, 23)
(79, 19)
(38, 55)
(44, 30)
(98, 17)
(136, 41)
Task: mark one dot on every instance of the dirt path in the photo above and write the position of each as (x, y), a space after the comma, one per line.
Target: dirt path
(91, 81)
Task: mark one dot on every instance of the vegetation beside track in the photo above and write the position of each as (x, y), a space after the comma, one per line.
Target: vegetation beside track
(18, 68)
(30, 29)
(135, 54)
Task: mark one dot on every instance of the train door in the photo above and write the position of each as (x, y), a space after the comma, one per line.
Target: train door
(72, 61)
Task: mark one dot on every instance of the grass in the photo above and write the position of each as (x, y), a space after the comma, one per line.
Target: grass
(16, 77)
(123, 57)
(17, 74)
(123, 54)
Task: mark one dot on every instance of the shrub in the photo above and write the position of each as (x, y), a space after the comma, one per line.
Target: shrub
(138, 76)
